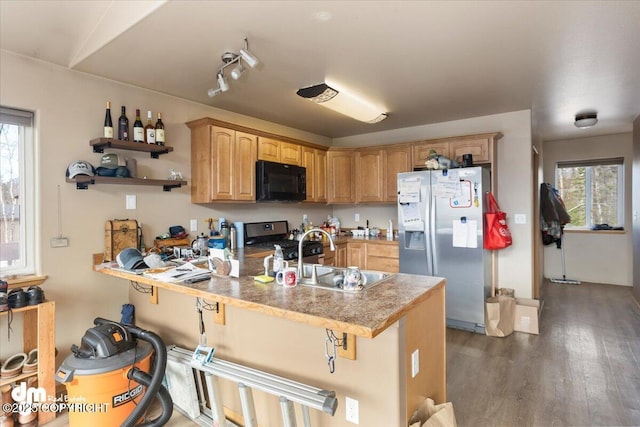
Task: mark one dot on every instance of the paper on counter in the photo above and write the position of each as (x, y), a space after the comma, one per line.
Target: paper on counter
(465, 234)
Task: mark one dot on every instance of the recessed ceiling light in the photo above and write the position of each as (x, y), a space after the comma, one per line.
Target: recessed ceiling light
(586, 120)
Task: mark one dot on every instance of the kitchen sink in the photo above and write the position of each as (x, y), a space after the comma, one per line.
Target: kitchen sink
(331, 278)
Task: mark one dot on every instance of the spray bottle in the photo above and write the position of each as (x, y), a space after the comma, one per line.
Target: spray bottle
(278, 260)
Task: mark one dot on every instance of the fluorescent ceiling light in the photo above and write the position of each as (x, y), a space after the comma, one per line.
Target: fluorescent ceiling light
(343, 103)
(586, 120)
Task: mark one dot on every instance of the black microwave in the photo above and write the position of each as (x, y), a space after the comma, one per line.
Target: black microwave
(280, 182)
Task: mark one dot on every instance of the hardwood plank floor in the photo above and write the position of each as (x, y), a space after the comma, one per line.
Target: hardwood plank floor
(582, 370)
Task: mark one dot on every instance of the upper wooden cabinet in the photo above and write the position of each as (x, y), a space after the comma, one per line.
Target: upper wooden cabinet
(340, 174)
(222, 163)
(370, 172)
(315, 161)
(273, 150)
(396, 160)
(481, 147)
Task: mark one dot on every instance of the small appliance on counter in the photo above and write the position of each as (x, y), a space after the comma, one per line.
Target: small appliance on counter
(268, 234)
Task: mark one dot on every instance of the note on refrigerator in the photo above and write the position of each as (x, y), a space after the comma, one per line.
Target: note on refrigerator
(411, 218)
(409, 190)
(447, 184)
(465, 233)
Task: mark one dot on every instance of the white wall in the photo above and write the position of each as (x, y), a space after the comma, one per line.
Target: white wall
(69, 110)
(593, 256)
(515, 192)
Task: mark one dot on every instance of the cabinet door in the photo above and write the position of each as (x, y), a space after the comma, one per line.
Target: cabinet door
(340, 185)
(370, 170)
(268, 149)
(244, 166)
(357, 255)
(421, 151)
(202, 164)
(290, 154)
(221, 157)
(320, 176)
(397, 160)
(479, 148)
(341, 255)
(309, 162)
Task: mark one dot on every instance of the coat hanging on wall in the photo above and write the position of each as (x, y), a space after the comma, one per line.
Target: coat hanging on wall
(553, 215)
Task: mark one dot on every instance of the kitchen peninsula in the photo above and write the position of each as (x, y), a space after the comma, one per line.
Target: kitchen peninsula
(283, 331)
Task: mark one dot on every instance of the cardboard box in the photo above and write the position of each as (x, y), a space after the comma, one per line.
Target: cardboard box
(527, 315)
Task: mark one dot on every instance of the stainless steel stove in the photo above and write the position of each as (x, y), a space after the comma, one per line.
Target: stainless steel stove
(268, 234)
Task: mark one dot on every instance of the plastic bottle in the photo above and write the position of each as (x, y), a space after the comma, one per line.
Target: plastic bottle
(278, 260)
(232, 237)
(390, 231)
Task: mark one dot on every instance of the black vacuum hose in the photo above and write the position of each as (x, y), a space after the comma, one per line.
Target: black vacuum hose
(156, 379)
(163, 397)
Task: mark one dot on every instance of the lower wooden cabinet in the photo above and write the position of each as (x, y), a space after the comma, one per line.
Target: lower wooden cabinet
(372, 255)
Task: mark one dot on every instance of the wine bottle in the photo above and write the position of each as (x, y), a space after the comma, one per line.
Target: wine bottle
(138, 129)
(159, 131)
(123, 126)
(108, 124)
(149, 130)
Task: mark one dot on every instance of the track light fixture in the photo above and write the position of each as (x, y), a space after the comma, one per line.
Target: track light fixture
(343, 102)
(230, 58)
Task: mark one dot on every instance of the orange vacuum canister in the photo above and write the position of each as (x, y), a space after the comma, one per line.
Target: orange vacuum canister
(108, 375)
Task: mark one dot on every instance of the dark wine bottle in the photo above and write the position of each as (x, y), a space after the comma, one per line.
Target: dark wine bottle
(123, 126)
(159, 131)
(149, 130)
(138, 129)
(108, 124)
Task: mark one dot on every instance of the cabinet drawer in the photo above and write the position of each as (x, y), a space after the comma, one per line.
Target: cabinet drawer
(391, 265)
(382, 250)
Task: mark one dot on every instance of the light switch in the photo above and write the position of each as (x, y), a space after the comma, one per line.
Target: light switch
(520, 218)
(131, 201)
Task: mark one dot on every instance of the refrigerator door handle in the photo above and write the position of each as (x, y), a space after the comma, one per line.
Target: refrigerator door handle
(432, 235)
(427, 227)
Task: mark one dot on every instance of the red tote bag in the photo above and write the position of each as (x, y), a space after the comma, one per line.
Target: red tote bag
(496, 232)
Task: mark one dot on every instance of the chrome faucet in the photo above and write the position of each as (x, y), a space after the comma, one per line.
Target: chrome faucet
(300, 262)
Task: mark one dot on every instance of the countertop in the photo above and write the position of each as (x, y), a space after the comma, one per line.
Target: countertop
(365, 313)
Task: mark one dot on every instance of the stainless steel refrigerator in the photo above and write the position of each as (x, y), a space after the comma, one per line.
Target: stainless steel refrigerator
(440, 218)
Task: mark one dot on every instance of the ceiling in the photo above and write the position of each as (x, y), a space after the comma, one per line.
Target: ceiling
(421, 61)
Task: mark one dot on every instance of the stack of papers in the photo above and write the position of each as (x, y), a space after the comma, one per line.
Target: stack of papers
(186, 273)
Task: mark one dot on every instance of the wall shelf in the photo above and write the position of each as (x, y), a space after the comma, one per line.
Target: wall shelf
(99, 144)
(83, 182)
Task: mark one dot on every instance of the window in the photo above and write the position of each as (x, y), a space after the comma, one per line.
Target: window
(592, 191)
(17, 198)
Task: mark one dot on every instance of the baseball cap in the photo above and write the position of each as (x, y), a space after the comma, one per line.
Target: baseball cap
(80, 167)
(131, 259)
(111, 161)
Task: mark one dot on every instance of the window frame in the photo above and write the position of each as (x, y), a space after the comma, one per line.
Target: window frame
(28, 191)
(589, 165)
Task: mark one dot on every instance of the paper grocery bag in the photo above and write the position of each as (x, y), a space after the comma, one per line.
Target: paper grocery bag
(431, 415)
(500, 312)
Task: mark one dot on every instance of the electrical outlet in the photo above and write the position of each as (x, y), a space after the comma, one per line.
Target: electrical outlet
(415, 363)
(357, 217)
(305, 218)
(130, 201)
(520, 218)
(194, 225)
(351, 410)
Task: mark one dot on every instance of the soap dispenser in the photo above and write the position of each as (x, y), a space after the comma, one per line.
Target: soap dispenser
(278, 260)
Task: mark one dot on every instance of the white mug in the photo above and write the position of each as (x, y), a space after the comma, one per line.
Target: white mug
(287, 277)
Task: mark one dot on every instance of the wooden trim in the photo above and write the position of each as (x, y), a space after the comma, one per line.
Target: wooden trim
(25, 281)
(214, 122)
(574, 231)
(350, 351)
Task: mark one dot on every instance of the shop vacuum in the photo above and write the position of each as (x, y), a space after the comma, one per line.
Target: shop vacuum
(111, 379)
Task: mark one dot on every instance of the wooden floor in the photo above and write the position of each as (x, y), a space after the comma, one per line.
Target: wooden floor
(582, 370)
